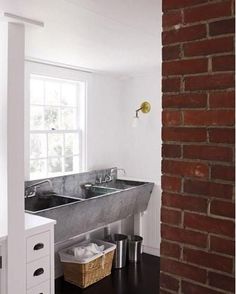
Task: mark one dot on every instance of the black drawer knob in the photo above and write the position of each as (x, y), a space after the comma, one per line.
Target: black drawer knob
(38, 272)
(38, 246)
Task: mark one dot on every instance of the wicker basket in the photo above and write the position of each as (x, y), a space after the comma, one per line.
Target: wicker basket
(87, 273)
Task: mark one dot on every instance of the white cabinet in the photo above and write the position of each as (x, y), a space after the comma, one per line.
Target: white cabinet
(38, 246)
(39, 243)
(3, 258)
(39, 255)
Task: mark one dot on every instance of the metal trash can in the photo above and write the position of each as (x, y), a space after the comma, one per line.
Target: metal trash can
(120, 240)
(135, 248)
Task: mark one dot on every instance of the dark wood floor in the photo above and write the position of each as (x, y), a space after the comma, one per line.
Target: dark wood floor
(142, 278)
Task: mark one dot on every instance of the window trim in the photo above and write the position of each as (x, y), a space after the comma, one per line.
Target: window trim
(45, 70)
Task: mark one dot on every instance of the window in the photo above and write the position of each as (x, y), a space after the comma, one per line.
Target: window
(56, 126)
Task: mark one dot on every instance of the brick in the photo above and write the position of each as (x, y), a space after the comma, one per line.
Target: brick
(183, 270)
(170, 249)
(204, 152)
(222, 136)
(184, 168)
(184, 134)
(209, 260)
(169, 183)
(169, 282)
(205, 135)
(210, 46)
(171, 150)
(224, 99)
(188, 288)
(191, 203)
(171, 18)
(171, 118)
(191, 100)
(184, 34)
(223, 208)
(185, 66)
(184, 236)
(209, 189)
(220, 281)
(169, 216)
(222, 27)
(171, 85)
(221, 172)
(209, 117)
(209, 224)
(222, 245)
(208, 11)
(174, 4)
(223, 63)
(209, 82)
(170, 52)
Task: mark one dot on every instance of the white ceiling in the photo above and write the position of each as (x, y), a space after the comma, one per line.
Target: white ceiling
(115, 36)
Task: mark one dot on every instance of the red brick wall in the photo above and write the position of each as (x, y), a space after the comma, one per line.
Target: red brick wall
(197, 230)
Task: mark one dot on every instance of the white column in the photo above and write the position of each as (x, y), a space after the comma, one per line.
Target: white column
(3, 128)
(12, 152)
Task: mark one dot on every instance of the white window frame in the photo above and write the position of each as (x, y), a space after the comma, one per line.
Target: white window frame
(57, 72)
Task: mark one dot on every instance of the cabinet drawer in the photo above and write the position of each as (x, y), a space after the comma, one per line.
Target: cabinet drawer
(38, 271)
(43, 288)
(38, 246)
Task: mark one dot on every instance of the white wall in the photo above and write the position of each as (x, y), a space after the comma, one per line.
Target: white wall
(104, 122)
(112, 141)
(142, 147)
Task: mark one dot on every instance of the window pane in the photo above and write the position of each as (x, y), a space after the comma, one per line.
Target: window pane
(55, 144)
(54, 165)
(36, 118)
(71, 164)
(68, 94)
(38, 146)
(36, 91)
(51, 118)
(68, 118)
(52, 93)
(37, 168)
(71, 144)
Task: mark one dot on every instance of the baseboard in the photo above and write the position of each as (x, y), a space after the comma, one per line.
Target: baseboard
(151, 250)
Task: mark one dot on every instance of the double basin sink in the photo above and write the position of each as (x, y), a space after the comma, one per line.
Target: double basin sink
(78, 210)
(40, 203)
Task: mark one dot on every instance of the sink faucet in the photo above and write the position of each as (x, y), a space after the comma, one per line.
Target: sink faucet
(31, 190)
(107, 178)
(100, 180)
(123, 170)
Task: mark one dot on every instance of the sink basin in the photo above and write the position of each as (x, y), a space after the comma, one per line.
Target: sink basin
(123, 184)
(39, 203)
(98, 191)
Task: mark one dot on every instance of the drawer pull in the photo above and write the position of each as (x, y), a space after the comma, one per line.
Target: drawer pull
(38, 272)
(38, 246)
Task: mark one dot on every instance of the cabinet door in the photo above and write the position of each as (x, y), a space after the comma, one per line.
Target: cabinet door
(2, 269)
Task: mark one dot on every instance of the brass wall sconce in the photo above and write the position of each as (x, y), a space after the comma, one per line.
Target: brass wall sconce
(145, 108)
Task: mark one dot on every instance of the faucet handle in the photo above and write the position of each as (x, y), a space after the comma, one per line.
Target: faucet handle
(98, 180)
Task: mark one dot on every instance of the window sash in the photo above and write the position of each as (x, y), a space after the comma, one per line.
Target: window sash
(45, 72)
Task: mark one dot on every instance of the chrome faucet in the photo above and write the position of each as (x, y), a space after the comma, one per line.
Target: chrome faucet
(107, 178)
(123, 170)
(31, 190)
